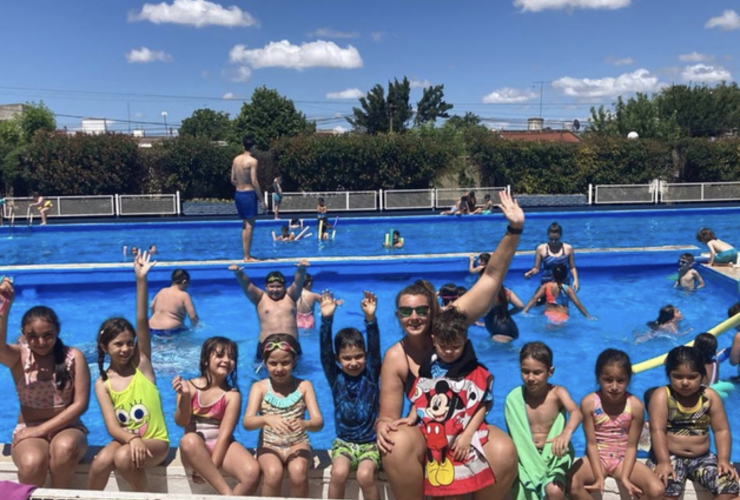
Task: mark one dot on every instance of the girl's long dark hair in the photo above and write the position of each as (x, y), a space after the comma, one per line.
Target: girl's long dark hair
(109, 330)
(43, 313)
(215, 345)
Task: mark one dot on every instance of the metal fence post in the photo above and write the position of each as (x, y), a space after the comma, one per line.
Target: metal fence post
(177, 202)
(380, 200)
(117, 206)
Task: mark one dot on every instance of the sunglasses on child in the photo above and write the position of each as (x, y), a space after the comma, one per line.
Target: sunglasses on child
(421, 311)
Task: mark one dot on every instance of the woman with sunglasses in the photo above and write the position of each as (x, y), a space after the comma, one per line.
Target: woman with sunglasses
(416, 306)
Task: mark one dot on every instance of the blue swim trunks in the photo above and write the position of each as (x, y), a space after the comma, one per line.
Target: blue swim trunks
(246, 204)
(727, 257)
(157, 332)
(277, 198)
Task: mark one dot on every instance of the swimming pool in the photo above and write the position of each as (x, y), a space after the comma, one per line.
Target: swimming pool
(187, 240)
(622, 295)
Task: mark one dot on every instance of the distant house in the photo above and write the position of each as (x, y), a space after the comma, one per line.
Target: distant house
(544, 135)
(9, 111)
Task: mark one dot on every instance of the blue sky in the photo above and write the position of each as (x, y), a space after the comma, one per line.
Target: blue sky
(119, 59)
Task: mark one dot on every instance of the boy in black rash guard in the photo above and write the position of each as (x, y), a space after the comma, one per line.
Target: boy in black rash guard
(355, 388)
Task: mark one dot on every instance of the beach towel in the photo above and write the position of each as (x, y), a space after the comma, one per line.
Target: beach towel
(10, 490)
(446, 405)
(536, 470)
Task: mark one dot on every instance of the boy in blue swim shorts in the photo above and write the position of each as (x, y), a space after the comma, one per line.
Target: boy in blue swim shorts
(720, 252)
(248, 193)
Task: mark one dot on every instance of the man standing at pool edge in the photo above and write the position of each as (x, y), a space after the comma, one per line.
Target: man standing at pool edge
(248, 195)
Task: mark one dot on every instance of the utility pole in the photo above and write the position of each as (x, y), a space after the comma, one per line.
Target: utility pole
(542, 90)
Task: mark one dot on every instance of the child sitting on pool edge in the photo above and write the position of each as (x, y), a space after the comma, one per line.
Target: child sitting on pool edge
(720, 252)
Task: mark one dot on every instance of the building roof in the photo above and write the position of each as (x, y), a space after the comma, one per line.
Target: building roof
(545, 135)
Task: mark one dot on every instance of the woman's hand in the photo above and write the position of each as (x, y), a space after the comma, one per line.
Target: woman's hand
(384, 431)
(28, 433)
(139, 451)
(511, 210)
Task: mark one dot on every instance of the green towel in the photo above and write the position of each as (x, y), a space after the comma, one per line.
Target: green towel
(536, 470)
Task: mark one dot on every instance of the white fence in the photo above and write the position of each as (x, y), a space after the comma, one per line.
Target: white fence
(335, 201)
(94, 206)
(663, 192)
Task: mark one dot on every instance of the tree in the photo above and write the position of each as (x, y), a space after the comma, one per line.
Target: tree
(381, 114)
(639, 114)
(208, 124)
(702, 111)
(16, 135)
(431, 106)
(269, 116)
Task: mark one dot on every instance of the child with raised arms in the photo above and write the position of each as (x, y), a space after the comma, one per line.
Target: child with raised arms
(128, 396)
(450, 400)
(208, 408)
(681, 416)
(541, 418)
(354, 385)
(612, 422)
(277, 405)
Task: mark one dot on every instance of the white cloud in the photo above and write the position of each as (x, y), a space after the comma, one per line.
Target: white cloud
(729, 20)
(308, 55)
(420, 84)
(330, 33)
(145, 55)
(620, 61)
(508, 95)
(243, 74)
(638, 81)
(703, 73)
(377, 36)
(340, 130)
(540, 5)
(228, 95)
(695, 57)
(196, 13)
(346, 94)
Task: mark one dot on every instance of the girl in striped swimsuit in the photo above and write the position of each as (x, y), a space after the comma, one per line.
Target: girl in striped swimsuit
(277, 405)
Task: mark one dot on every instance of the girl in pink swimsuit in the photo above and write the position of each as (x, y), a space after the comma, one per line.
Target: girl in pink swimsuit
(208, 408)
(612, 422)
(53, 385)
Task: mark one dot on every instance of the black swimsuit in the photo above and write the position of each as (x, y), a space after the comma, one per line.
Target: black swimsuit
(410, 382)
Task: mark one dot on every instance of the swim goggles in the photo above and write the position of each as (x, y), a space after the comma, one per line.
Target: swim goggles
(274, 278)
(421, 311)
(281, 346)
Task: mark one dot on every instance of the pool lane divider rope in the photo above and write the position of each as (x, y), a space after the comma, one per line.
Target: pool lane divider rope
(716, 330)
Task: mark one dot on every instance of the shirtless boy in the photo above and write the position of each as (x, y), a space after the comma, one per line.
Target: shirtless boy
(276, 304)
(170, 306)
(248, 196)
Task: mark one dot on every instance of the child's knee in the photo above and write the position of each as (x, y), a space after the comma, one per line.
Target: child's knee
(366, 476)
(122, 458)
(273, 474)
(298, 470)
(189, 443)
(555, 491)
(339, 470)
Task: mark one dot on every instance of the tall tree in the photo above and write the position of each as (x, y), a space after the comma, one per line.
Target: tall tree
(639, 114)
(269, 116)
(431, 106)
(379, 113)
(208, 124)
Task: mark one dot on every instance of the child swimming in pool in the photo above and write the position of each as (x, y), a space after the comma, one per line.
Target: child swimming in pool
(208, 408)
(721, 253)
(688, 277)
(277, 406)
(557, 296)
(612, 423)
(668, 319)
(681, 416)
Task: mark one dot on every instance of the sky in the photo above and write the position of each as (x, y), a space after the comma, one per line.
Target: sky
(139, 64)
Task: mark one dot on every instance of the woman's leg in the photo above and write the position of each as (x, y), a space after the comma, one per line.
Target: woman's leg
(298, 462)
(102, 465)
(403, 465)
(66, 450)
(501, 455)
(240, 464)
(195, 453)
(272, 468)
(31, 456)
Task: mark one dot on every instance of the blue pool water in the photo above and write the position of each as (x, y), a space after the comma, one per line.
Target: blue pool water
(623, 299)
(178, 241)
